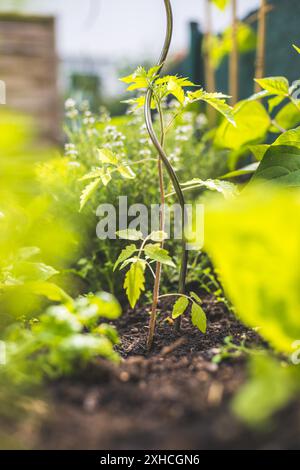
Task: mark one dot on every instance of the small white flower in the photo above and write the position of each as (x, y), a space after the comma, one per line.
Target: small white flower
(70, 103)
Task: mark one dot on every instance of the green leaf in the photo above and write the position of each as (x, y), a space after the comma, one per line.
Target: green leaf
(158, 236)
(156, 253)
(246, 170)
(228, 190)
(195, 297)
(130, 261)
(88, 192)
(139, 80)
(199, 318)
(130, 234)
(296, 48)
(274, 102)
(258, 259)
(291, 138)
(254, 403)
(125, 254)
(126, 171)
(49, 290)
(106, 177)
(278, 86)
(216, 100)
(287, 118)
(176, 90)
(248, 130)
(281, 165)
(109, 331)
(180, 307)
(107, 305)
(135, 282)
(107, 156)
(103, 174)
(95, 173)
(28, 271)
(259, 150)
(28, 252)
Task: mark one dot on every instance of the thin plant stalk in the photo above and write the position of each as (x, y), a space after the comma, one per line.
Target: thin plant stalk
(156, 289)
(162, 154)
(234, 57)
(261, 44)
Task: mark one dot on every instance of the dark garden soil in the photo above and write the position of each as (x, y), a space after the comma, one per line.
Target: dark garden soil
(174, 398)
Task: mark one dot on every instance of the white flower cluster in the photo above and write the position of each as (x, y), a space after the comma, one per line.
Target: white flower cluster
(71, 109)
(71, 151)
(114, 140)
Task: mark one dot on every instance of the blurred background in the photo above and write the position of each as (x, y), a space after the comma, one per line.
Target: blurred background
(51, 49)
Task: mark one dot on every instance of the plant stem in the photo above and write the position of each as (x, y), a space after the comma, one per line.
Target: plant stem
(163, 157)
(152, 322)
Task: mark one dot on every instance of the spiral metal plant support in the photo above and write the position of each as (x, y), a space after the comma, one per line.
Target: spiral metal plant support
(162, 153)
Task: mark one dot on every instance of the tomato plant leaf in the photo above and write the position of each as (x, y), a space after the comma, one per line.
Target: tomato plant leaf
(88, 192)
(281, 165)
(125, 254)
(107, 156)
(278, 86)
(247, 130)
(195, 297)
(130, 234)
(158, 236)
(246, 170)
(180, 307)
(126, 171)
(156, 253)
(49, 290)
(135, 282)
(227, 189)
(199, 318)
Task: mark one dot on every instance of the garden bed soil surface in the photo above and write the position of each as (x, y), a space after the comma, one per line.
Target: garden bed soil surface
(172, 398)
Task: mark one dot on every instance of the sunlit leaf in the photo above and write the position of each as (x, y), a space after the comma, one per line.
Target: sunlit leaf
(275, 85)
(135, 282)
(130, 234)
(88, 192)
(180, 307)
(156, 253)
(125, 254)
(199, 317)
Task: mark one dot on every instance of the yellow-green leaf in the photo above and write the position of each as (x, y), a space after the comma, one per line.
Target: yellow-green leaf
(135, 282)
(88, 192)
(275, 85)
(156, 253)
(107, 156)
(180, 307)
(199, 317)
(124, 255)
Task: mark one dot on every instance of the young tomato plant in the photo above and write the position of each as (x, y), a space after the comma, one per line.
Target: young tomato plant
(139, 258)
(155, 91)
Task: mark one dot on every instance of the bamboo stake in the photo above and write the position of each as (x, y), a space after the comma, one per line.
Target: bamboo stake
(261, 44)
(210, 79)
(234, 57)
